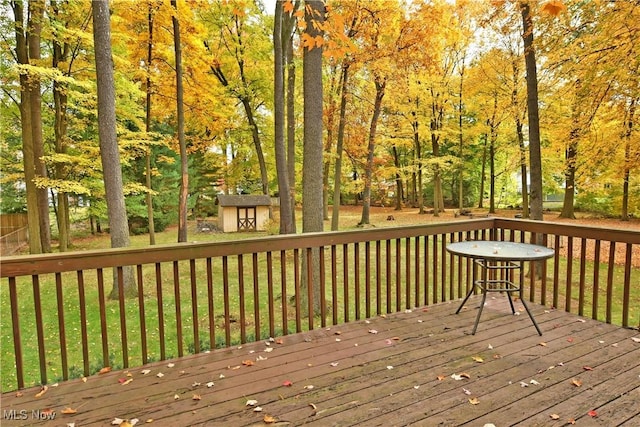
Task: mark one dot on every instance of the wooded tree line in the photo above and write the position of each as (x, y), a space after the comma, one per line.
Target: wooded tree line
(427, 104)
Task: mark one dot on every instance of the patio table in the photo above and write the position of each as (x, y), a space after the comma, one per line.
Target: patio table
(503, 259)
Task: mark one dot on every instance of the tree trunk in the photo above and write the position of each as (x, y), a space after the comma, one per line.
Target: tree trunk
(417, 149)
(36, 16)
(535, 157)
(60, 56)
(149, 196)
(483, 172)
(330, 115)
(116, 210)
(312, 220)
(396, 162)
(461, 137)
(337, 177)
(291, 122)
(628, 131)
(279, 128)
(368, 172)
(22, 53)
(523, 170)
(184, 165)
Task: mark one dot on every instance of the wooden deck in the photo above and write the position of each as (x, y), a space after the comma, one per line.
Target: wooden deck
(390, 370)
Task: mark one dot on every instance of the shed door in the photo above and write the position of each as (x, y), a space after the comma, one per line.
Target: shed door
(247, 218)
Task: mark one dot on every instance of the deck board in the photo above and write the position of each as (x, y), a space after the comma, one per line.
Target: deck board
(388, 370)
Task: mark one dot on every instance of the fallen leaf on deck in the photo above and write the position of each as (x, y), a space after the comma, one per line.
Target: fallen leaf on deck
(497, 356)
(48, 411)
(534, 382)
(279, 341)
(467, 392)
(569, 339)
(196, 397)
(195, 384)
(389, 367)
(176, 397)
(587, 368)
(287, 383)
(116, 421)
(478, 359)
(43, 390)
(441, 377)
(269, 419)
(248, 362)
(257, 409)
(170, 365)
(554, 416)
(308, 387)
(233, 368)
(313, 406)
(159, 375)
(474, 401)
(105, 370)
(338, 340)
(543, 344)
(84, 379)
(592, 413)
(145, 371)
(334, 364)
(635, 339)
(490, 347)
(150, 420)
(71, 424)
(373, 331)
(571, 421)
(251, 402)
(416, 387)
(268, 349)
(19, 394)
(523, 384)
(124, 381)
(576, 382)
(210, 384)
(461, 376)
(337, 333)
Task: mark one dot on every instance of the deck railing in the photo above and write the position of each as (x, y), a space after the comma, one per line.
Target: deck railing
(58, 320)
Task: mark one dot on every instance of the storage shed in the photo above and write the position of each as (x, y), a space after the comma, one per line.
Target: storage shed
(243, 212)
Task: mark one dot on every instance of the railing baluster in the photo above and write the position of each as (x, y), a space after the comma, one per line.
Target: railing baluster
(435, 269)
(296, 271)
(210, 304)
(378, 278)
(583, 269)
(334, 284)
(416, 264)
(37, 305)
(159, 296)
(194, 306)
(356, 278)
(569, 277)
(17, 343)
(626, 293)
(367, 278)
(103, 318)
(612, 264)
(556, 271)
(178, 307)
(345, 282)
(283, 291)
(388, 273)
(256, 297)
(398, 275)
(141, 312)
(407, 272)
(271, 308)
(596, 281)
(227, 308)
(241, 302)
(426, 270)
(82, 300)
(323, 290)
(61, 328)
(310, 285)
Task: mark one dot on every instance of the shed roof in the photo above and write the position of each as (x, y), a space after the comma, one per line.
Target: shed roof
(241, 200)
